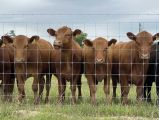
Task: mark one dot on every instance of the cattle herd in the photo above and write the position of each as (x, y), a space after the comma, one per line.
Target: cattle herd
(134, 62)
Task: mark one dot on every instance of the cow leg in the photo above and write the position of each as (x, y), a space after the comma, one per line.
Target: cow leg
(107, 88)
(73, 83)
(92, 87)
(1, 87)
(114, 83)
(20, 84)
(35, 88)
(1, 83)
(124, 89)
(48, 85)
(8, 85)
(41, 87)
(5, 87)
(157, 89)
(145, 89)
(10, 88)
(79, 87)
(139, 90)
(61, 88)
(149, 85)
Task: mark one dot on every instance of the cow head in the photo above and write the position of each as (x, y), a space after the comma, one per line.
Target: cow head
(20, 44)
(5, 40)
(143, 42)
(100, 46)
(63, 36)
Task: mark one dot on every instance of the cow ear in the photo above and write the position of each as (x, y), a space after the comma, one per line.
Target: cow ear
(131, 36)
(155, 36)
(33, 39)
(88, 43)
(6, 39)
(112, 41)
(77, 32)
(51, 32)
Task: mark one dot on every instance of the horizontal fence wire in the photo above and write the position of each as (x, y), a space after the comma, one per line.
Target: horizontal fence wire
(107, 30)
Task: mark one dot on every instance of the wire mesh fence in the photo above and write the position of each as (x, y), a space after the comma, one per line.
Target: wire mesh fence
(93, 65)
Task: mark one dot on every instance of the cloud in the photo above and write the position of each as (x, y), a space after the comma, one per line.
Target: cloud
(108, 18)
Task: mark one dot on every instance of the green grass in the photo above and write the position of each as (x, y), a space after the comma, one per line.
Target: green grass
(83, 110)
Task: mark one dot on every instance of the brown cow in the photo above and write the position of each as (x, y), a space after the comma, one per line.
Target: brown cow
(7, 68)
(130, 63)
(97, 59)
(32, 58)
(68, 61)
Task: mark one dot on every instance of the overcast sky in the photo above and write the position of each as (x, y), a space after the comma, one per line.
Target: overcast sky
(107, 18)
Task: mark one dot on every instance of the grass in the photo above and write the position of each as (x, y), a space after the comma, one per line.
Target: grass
(82, 111)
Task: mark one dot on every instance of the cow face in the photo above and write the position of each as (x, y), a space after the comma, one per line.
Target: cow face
(100, 47)
(144, 42)
(63, 36)
(20, 44)
(5, 40)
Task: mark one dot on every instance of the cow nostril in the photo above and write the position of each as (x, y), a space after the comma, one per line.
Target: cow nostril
(145, 56)
(99, 60)
(19, 60)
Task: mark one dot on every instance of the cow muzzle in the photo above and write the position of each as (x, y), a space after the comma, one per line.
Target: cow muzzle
(145, 56)
(57, 44)
(99, 60)
(20, 60)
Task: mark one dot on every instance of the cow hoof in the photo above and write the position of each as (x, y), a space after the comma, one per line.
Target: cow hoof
(37, 101)
(149, 100)
(46, 100)
(59, 103)
(94, 103)
(79, 97)
(73, 102)
(8, 98)
(20, 99)
(125, 103)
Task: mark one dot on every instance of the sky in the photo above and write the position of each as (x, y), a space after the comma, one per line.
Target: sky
(105, 18)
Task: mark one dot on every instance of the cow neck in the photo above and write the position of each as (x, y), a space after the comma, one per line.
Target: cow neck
(66, 57)
(100, 67)
(68, 45)
(67, 50)
(20, 68)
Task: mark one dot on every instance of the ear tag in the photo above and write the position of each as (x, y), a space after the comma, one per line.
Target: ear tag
(3, 45)
(34, 41)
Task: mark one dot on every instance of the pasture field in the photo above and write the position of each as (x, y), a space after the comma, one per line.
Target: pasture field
(82, 111)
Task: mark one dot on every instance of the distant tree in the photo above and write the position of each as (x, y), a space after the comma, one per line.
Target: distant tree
(79, 38)
(11, 33)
